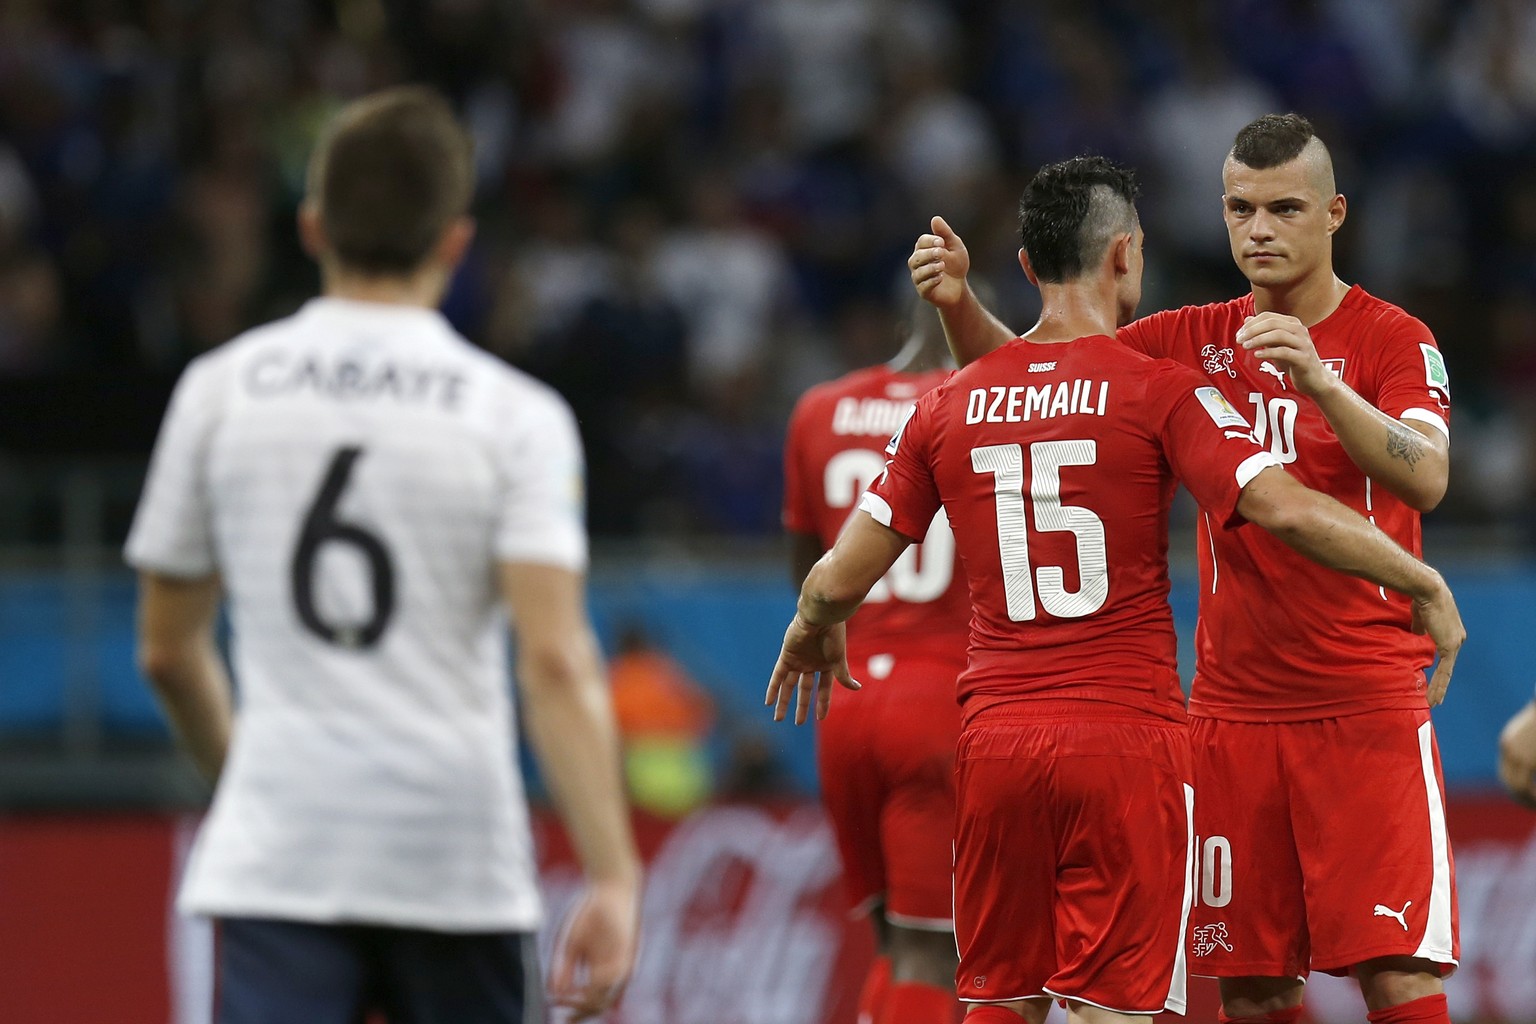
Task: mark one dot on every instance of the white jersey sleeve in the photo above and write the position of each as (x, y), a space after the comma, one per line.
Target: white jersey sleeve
(172, 530)
(542, 517)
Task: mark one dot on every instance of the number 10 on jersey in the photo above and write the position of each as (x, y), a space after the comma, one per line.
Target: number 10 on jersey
(1023, 583)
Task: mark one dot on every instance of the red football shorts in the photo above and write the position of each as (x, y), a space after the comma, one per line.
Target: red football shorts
(1073, 861)
(886, 757)
(1320, 845)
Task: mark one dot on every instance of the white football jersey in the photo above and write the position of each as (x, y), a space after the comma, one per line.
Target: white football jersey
(354, 473)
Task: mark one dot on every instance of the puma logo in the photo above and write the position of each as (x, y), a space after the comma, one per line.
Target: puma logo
(1275, 372)
(1382, 911)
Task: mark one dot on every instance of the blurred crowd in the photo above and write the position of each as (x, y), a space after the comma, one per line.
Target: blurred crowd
(690, 210)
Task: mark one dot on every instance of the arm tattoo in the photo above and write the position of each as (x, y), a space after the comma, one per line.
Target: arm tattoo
(1405, 443)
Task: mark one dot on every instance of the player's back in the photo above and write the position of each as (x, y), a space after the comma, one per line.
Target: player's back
(1056, 464)
(834, 450)
(364, 470)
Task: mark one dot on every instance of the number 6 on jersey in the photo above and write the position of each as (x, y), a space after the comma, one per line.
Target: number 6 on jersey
(322, 526)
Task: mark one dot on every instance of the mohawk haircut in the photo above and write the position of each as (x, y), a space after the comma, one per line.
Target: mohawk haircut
(1071, 210)
(1272, 140)
(393, 170)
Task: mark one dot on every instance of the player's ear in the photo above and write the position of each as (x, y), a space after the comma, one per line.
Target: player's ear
(455, 242)
(1120, 253)
(1337, 208)
(312, 230)
(1029, 268)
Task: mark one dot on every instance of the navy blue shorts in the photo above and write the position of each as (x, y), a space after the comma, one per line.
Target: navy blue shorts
(282, 972)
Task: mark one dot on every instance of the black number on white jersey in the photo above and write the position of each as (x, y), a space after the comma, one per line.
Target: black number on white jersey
(320, 527)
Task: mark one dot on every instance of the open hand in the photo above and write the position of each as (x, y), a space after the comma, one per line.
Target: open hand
(811, 658)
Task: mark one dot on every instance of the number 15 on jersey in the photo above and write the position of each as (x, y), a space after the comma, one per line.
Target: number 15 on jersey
(1006, 464)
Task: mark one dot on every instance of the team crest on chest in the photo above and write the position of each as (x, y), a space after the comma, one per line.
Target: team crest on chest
(1218, 360)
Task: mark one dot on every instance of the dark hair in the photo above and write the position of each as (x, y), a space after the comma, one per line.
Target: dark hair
(392, 172)
(1272, 140)
(1071, 210)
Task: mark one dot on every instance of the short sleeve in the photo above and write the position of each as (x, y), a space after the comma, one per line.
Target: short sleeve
(1411, 381)
(172, 530)
(1208, 443)
(799, 510)
(541, 517)
(905, 497)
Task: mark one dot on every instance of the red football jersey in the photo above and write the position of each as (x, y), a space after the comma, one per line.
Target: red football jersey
(1280, 637)
(835, 449)
(1057, 464)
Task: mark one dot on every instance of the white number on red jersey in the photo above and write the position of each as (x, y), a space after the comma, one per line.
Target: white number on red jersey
(924, 571)
(1276, 421)
(1006, 464)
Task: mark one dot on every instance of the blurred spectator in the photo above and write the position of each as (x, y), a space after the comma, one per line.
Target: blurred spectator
(1490, 75)
(683, 204)
(729, 279)
(608, 65)
(941, 143)
(1196, 115)
(665, 720)
(754, 773)
(827, 54)
(29, 313)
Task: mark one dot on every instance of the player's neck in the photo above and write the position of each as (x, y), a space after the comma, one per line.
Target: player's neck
(1072, 311)
(1311, 300)
(423, 288)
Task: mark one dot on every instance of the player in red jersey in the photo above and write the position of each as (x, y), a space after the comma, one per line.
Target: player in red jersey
(1055, 458)
(887, 764)
(1322, 809)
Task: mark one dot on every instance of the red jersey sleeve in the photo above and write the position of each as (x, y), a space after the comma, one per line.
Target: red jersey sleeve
(1152, 335)
(905, 497)
(1209, 445)
(1411, 382)
(799, 504)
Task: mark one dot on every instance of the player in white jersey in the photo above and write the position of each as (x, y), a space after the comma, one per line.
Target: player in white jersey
(369, 490)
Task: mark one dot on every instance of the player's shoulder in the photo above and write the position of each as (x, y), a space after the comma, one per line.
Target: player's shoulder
(214, 369)
(869, 401)
(1200, 317)
(1385, 317)
(865, 381)
(501, 373)
(1143, 377)
(517, 394)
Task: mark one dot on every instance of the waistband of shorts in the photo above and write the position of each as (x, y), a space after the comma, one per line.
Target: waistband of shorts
(1058, 709)
(1248, 715)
